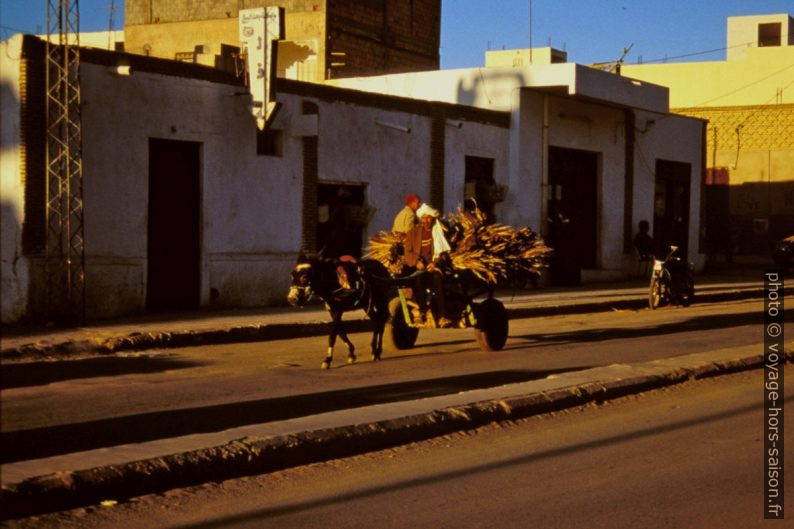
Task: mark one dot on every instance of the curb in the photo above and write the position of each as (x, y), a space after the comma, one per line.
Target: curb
(257, 455)
(278, 331)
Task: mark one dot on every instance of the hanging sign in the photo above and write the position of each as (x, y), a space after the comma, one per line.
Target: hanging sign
(259, 29)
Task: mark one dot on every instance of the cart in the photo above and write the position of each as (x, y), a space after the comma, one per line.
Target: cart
(487, 317)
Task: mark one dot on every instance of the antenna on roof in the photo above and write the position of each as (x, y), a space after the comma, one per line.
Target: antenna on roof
(619, 62)
(530, 31)
(110, 24)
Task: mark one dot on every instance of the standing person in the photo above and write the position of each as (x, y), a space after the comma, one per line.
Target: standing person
(425, 243)
(643, 242)
(406, 218)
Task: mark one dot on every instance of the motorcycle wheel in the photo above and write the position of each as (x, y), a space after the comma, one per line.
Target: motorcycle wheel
(655, 294)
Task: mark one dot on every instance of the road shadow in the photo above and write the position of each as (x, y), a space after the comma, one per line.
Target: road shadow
(36, 443)
(699, 323)
(41, 373)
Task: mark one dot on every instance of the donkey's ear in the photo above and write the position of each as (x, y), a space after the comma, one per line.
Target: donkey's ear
(320, 253)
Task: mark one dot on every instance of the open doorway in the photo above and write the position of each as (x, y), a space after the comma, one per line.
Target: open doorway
(479, 184)
(342, 218)
(671, 206)
(173, 256)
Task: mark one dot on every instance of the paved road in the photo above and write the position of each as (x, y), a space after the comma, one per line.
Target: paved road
(91, 403)
(686, 456)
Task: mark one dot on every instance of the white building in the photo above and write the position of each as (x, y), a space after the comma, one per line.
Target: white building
(602, 149)
(186, 204)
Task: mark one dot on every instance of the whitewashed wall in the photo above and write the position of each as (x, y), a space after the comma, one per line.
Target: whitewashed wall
(14, 266)
(588, 126)
(678, 139)
(239, 239)
(473, 139)
(388, 150)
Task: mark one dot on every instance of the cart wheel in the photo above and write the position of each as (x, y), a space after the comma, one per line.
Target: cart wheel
(492, 325)
(397, 334)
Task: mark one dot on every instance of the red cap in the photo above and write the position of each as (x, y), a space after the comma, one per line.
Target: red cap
(411, 198)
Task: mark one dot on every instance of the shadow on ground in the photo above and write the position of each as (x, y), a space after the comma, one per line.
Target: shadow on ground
(41, 373)
(717, 321)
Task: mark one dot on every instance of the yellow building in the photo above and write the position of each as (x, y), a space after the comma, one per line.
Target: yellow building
(748, 100)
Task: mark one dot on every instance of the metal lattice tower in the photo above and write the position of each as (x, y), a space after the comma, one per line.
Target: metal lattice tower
(65, 245)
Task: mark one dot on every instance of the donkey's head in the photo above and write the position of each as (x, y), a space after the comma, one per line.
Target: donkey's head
(300, 288)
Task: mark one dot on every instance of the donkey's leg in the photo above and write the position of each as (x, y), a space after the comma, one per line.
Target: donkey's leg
(336, 320)
(377, 337)
(351, 349)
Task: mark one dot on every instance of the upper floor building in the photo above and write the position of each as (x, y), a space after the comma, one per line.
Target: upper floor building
(325, 39)
(758, 70)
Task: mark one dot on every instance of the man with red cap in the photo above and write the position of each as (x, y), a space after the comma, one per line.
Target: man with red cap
(406, 218)
(425, 244)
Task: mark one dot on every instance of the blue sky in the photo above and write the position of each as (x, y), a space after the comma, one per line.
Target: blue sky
(589, 30)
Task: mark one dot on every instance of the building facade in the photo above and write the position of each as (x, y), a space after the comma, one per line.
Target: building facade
(601, 151)
(187, 204)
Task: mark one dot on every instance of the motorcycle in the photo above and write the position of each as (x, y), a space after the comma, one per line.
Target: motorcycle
(783, 256)
(672, 281)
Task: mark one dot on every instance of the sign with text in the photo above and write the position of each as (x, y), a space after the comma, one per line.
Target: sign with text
(259, 29)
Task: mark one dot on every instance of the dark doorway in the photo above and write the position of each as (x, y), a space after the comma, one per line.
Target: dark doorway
(342, 216)
(671, 206)
(174, 219)
(572, 213)
(479, 183)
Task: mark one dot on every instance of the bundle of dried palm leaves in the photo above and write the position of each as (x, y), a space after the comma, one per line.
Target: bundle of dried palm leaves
(492, 252)
(387, 247)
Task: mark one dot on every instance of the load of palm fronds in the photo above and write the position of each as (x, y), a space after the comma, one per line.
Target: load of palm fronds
(387, 247)
(480, 263)
(492, 252)
(507, 253)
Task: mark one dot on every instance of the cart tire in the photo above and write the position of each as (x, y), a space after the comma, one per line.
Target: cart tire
(492, 326)
(397, 334)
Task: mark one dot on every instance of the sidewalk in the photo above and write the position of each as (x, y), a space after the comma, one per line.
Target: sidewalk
(119, 472)
(203, 327)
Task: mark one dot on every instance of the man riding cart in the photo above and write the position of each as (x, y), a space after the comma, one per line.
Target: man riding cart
(439, 270)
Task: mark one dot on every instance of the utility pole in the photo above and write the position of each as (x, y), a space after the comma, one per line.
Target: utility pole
(530, 31)
(64, 264)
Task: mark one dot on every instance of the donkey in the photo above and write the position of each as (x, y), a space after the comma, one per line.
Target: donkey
(344, 285)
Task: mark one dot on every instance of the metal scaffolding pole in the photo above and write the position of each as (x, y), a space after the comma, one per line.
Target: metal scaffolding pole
(65, 246)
